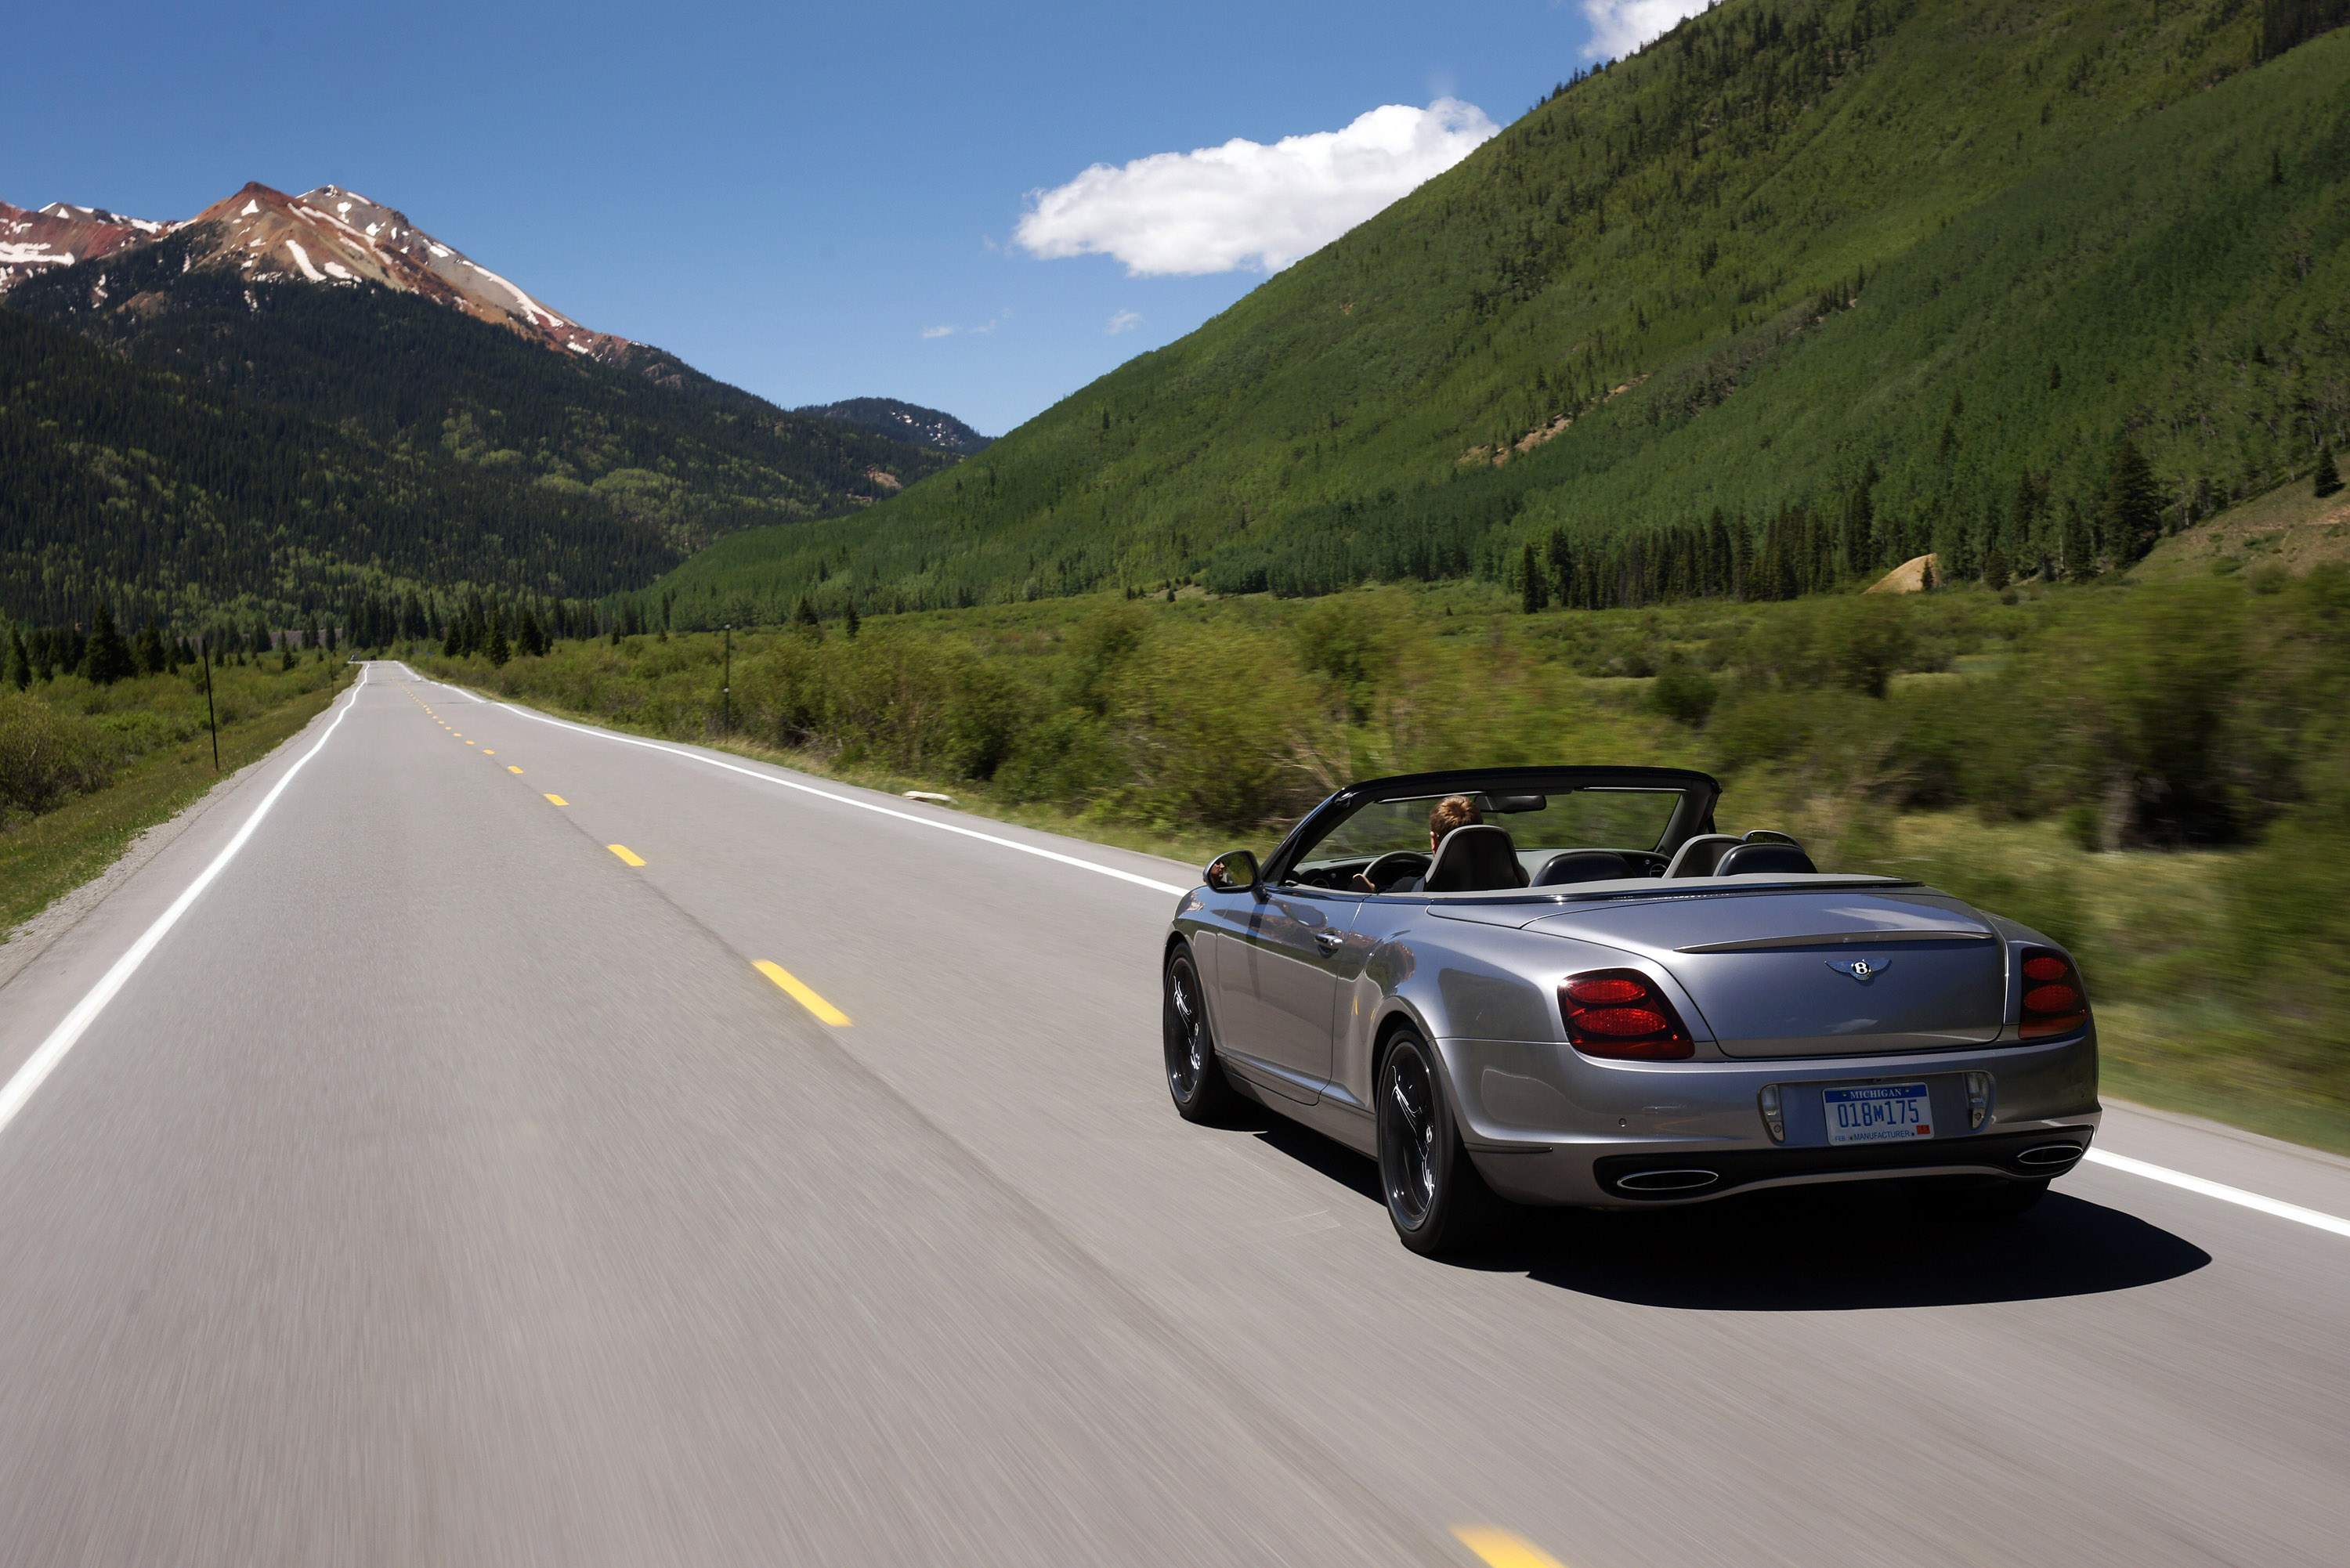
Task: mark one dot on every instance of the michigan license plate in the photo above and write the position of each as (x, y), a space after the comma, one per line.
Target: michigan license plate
(1879, 1113)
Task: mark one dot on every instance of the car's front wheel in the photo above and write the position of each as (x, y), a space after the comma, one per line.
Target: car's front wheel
(1435, 1199)
(1194, 1077)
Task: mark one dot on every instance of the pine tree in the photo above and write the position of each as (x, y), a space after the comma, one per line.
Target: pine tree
(1995, 569)
(2327, 479)
(532, 642)
(149, 652)
(848, 621)
(108, 657)
(498, 650)
(1535, 592)
(20, 662)
(807, 622)
(2133, 510)
(2080, 554)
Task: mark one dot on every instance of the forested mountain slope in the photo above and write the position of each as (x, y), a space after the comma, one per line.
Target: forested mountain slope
(651, 437)
(907, 422)
(1804, 288)
(175, 499)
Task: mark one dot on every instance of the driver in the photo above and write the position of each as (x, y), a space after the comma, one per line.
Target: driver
(1453, 811)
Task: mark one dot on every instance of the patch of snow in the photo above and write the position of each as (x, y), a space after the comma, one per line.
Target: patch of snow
(33, 252)
(530, 307)
(302, 260)
(340, 271)
(440, 250)
(251, 207)
(578, 348)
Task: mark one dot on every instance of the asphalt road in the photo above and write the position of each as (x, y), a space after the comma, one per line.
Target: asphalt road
(445, 1185)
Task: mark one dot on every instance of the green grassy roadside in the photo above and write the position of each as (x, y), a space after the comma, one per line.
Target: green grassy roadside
(44, 859)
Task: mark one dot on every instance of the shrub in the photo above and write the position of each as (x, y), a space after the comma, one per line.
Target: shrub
(46, 754)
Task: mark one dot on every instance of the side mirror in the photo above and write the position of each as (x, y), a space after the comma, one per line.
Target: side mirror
(1232, 873)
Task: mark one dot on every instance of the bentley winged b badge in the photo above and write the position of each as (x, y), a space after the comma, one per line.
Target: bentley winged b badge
(1861, 969)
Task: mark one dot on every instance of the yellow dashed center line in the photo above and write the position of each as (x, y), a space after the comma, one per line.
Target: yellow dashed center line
(512, 768)
(799, 992)
(1500, 1548)
(487, 752)
(625, 853)
(557, 800)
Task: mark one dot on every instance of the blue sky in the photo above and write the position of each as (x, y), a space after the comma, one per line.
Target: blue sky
(796, 199)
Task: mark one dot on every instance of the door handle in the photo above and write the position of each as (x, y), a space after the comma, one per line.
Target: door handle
(1328, 938)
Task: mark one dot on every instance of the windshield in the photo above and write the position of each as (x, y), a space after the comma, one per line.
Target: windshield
(1561, 819)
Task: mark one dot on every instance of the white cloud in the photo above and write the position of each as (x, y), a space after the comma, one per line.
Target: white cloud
(1125, 321)
(1245, 204)
(939, 331)
(1620, 26)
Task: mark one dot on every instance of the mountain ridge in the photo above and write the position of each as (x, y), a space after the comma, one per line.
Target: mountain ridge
(907, 421)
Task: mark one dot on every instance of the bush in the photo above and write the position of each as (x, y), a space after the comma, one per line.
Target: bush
(46, 754)
(1683, 693)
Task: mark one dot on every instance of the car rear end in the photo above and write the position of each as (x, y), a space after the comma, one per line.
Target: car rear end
(1764, 1036)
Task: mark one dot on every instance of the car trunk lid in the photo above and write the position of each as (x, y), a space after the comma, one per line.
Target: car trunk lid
(1841, 973)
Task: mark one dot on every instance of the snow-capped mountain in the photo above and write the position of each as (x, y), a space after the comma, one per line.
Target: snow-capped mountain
(328, 236)
(59, 236)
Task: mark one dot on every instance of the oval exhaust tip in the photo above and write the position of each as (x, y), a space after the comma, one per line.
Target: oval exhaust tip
(1667, 1180)
(2049, 1154)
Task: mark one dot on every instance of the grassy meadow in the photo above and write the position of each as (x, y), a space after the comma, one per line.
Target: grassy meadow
(85, 769)
(2154, 771)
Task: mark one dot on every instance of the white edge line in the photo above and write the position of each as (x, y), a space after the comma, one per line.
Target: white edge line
(37, 1067)
(1082, 865)
(433, 682)
(2225, 1194)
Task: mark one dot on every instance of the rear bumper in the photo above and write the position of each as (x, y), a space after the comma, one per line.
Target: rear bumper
(1630, 1178)
(1546, 1125)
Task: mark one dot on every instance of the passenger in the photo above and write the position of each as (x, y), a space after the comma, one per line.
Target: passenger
(1453, 811)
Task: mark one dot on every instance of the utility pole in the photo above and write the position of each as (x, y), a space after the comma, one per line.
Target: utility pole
(726, 686)
(211, 718)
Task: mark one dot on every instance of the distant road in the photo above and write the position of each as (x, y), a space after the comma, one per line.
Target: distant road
(469, 1174)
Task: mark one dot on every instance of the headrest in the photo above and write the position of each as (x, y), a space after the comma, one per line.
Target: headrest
(1479, 858)
(1699, 856)
(1784, 859)
(1581, 866)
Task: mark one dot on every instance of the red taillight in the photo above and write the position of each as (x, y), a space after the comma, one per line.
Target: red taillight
(1620, 1012)
(2054, 1001)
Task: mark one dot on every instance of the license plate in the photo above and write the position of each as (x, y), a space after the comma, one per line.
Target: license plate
(1879, 1113)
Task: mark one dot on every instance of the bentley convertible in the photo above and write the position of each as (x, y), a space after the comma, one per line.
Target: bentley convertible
(1563, 986)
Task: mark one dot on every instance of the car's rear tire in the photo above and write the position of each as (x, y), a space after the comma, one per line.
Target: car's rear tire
(1975, 1197)
(1195, 1079)
(1437, 1202)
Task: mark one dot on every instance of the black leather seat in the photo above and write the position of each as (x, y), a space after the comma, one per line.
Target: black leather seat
(1479, 858)
(1581, 866)
(1781, 859)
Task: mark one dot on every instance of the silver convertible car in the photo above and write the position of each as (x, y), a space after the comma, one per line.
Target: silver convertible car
(1561, 986)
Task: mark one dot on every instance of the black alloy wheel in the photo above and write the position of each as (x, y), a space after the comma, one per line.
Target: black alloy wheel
(1435, 1199)
(1194, 1077)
